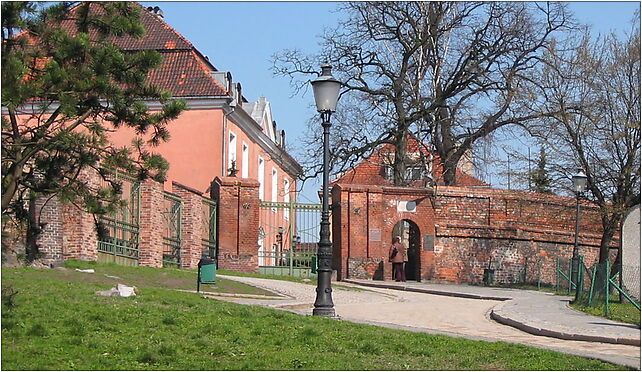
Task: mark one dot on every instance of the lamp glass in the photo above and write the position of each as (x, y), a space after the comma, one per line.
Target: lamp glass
(326, 90)
(579, 181)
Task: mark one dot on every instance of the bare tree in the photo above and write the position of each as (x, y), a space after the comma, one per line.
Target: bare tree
(595, 84)
(449, 73)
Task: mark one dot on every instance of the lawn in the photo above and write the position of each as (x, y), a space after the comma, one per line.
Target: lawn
(619, 312)
(58, 323)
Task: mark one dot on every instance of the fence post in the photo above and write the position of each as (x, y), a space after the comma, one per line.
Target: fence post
(608, 276)
(592, 284)
(570, 277)
(557, 275)
(539, 274)
(580, 278)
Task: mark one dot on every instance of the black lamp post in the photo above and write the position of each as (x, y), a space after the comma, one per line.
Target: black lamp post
(579, 184)
(326, 95)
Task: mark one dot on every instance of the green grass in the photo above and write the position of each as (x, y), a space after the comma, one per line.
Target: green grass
(311, 281)
(619, 312)
(169, 278)
(59, 324)
(308, 281)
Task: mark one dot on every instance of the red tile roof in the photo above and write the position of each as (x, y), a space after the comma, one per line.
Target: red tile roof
(369, 171)
(184, 71)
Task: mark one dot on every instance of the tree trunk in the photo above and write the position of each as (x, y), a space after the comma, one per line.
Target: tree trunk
(609, 227)
(399, 166)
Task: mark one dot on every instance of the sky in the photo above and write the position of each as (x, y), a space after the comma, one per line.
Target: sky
(241, 37)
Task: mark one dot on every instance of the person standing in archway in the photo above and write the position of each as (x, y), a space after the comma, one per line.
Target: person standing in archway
(398, 256)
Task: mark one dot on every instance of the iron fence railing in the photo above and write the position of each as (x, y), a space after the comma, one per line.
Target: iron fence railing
(172, 209)
(118, 238)
(208, 229)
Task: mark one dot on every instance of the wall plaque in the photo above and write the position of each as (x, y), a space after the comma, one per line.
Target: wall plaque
(429, 242)
(374, 235)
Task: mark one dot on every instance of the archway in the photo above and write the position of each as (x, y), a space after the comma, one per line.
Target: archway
(410, 237)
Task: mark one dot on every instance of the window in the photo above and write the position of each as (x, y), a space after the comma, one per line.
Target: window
(232, 152)
(275, 186)
(261, 178)
(413, 173)
(245, 158)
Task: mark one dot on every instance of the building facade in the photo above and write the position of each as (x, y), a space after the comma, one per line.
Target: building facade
(466, 233)
(223, 149)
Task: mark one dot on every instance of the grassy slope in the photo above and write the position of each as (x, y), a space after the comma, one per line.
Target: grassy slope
(61, 324)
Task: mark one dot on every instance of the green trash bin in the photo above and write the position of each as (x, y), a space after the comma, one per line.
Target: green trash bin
(206, 272)
(489, 276)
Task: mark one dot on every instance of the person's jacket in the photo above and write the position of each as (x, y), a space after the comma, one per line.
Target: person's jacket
(401, 253)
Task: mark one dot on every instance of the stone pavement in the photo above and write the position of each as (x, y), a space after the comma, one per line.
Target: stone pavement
(534, 318)
(539, 313)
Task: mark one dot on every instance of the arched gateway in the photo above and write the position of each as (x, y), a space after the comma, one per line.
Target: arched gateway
(411, 239)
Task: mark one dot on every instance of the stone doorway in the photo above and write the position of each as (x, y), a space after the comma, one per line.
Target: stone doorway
(410, 237)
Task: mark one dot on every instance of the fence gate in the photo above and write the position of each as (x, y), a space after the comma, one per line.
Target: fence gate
(118, 235)
(288, 236)
(209, 228)
(172, 209)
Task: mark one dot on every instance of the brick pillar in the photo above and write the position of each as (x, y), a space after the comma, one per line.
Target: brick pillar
(50, 240)
(191, 225)
(151, 224)
(238, 223)
(80, 238)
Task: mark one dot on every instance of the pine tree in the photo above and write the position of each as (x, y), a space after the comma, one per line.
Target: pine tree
(540, 179)
(65, 85)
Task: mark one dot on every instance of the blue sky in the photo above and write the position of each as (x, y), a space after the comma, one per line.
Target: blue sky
(241, 37)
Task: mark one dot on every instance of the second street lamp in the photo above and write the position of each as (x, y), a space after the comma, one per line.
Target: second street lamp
(579, 185)
(326, 94)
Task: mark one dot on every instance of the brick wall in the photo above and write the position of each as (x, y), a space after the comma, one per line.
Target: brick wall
(517, 234)
(238, 223)
(191, 224)
(50, 240)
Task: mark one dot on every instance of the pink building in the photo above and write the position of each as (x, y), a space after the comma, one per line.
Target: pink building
(221, 128)
(221, 136)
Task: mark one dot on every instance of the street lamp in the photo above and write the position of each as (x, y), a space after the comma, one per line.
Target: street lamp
(326, 95)
(579, 184)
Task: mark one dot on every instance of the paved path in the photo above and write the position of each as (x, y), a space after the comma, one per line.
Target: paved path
(460, 311)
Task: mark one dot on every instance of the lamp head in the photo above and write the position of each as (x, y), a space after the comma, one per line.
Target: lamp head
(326, 90)
(579, 181)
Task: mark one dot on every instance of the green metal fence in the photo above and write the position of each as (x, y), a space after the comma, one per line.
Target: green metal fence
(288, 236)
(172, 209)
(208, 219)
(119, 230)
(604, 288)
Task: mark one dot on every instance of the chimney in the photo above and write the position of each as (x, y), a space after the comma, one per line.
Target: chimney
(156, 11)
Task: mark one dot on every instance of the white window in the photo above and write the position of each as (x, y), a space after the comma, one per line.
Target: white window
(286, 190)
(245, 158)
(275, 186)
(232, 152)
(261, 177)
(286, 197)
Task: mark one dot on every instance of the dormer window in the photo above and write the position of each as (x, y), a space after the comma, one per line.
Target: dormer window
(413, 173)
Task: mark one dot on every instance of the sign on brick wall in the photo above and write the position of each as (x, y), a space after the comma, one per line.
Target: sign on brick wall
(374, 235)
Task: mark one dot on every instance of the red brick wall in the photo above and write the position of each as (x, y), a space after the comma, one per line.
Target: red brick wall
(191, 224)
(150, 236)
(514, 231)
(50, 240)
(238, 223)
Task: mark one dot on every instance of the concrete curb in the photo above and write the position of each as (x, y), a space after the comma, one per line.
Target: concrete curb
(561, 335)
(428, 291)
